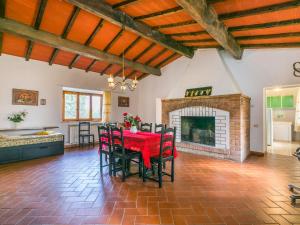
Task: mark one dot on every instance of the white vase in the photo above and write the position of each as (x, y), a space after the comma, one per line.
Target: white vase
(15, 125)
(133, 129)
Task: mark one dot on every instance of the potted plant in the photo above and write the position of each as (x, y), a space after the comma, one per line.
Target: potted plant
(131, 122)
(17, 118)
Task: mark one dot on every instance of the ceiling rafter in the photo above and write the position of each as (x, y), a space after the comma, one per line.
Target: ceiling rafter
(171, 25)
(195, 33)
(37, 23)
(110, 44)
(66, 31)
(88, 42)
(125, 3)
(206, 16)
(107, 47)
(165, 60)
(168, 11)
(273, 45)
(148, 62)
(249, 37)
(138, 56)
(160, 13)
(55, 41)
(123, 52)
(2, 15)
(119, 18)
(260, 10)
(238, 14)
(265, 25)
(142, 76)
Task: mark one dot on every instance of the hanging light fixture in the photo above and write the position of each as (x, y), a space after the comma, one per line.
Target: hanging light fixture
(124, 84)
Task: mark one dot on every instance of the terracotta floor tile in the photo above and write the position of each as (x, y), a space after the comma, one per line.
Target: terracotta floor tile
(147, 220)
(206, 191)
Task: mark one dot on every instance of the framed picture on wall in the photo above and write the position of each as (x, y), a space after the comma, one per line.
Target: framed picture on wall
(24, 97)
(123, 101)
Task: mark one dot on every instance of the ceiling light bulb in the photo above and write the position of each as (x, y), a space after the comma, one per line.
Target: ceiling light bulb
(110, 79)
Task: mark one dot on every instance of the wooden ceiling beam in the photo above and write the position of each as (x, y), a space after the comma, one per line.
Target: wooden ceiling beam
(105, 11)
(206, 16)
(265, 25)
(260, 10)
(88, 41)
(160, 13)
(2, 15)
(37, 23)
(66, 31)
(55, 41)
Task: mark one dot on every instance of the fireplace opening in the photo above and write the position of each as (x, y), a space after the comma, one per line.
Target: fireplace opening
(198, 129)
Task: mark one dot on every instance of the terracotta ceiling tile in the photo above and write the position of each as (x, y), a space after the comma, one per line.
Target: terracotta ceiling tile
(14, 45)
(83, 27)
(105, 35)
(56, 16)
(41, 52)
(21, 11)
(64, 58)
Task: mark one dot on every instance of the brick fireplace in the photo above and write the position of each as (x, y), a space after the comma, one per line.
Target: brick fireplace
(230, 136)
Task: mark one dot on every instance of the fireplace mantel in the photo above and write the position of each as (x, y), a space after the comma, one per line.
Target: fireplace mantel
(237, 105)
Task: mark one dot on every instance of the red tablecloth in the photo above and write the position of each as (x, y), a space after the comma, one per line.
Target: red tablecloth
(147, 143)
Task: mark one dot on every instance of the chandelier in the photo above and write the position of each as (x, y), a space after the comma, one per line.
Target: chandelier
(124, 84)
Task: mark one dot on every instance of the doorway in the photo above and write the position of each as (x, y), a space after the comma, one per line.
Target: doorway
(282, 126)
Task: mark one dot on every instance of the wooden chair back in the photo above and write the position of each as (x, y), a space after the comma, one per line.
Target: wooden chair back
(117, 140)
(167, 142)
(159, 127)
(146, 127)
(104, 138)
(84, 128)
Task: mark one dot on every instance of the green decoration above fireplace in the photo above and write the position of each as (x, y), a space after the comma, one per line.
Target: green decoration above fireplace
(194, 92)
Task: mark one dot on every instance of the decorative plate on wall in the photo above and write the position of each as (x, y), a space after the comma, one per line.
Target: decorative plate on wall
(24, 97)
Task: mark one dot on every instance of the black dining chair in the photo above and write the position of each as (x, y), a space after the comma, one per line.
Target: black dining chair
(146, 127)
(166, 154)
(84, 133)
(105, 148)
(112, 124)
(121, 157)
(159, 127)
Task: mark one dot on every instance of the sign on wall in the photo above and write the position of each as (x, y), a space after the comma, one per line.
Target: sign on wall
(194, 92)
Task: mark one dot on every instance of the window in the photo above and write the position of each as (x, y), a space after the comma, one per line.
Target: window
(81, 106)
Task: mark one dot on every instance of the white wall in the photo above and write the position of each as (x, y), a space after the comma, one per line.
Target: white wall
(205, 69)
(48, 80)
(257, 69)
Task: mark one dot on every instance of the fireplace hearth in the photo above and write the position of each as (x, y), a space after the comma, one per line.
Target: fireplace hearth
(198, 129)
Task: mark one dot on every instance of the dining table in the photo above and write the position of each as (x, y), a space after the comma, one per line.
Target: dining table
(145, 142)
